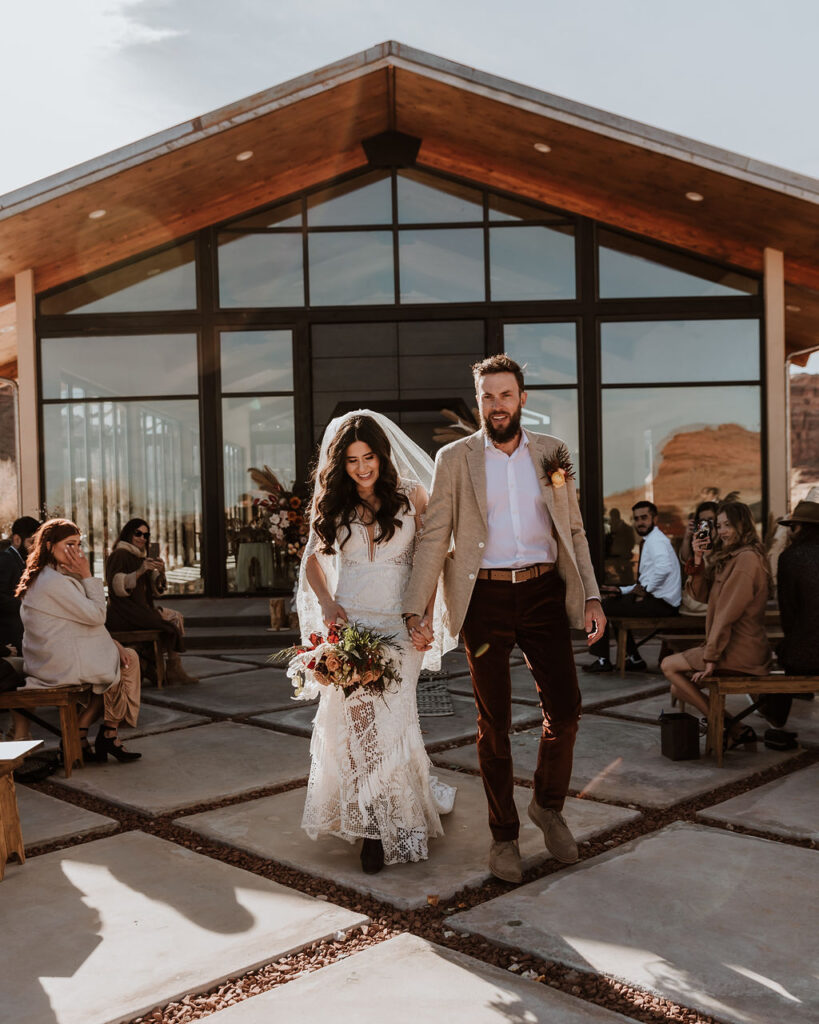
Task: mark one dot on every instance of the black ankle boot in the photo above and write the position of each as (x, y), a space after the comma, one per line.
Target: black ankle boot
(105, 745)
(372, 856)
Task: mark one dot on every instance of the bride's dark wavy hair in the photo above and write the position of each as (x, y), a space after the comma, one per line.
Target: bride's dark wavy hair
(336, 496)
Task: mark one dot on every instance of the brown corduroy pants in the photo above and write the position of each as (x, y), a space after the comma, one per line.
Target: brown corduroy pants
(533, 616)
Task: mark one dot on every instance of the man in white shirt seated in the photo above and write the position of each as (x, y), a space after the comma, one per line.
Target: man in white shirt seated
(658, 590)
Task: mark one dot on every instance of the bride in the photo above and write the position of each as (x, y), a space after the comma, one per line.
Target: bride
(370, 774)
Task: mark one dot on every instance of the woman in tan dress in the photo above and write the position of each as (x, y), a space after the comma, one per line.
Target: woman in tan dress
(735, 581)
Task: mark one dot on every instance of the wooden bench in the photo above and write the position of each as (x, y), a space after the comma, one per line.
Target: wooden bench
(12, 755)
(63, 697)
(692, 626)
(651, 626)
(146, 636)
(719, 686)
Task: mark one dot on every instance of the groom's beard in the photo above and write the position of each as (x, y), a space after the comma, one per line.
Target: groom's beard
(504, 434)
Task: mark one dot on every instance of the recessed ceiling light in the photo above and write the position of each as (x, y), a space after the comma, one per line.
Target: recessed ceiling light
(246, 154)
(695, 197)
(543, 147)
(793, 309)
(96, 214)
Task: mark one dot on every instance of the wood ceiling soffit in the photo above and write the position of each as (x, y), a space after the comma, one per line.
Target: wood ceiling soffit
(155, 203)
(601, 125)
(456, 124)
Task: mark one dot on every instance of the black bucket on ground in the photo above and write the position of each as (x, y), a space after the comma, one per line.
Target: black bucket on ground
(679, 736)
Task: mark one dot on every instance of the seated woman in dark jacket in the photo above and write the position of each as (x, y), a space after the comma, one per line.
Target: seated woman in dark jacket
(797, 581)
(735, 582)
(134, 581)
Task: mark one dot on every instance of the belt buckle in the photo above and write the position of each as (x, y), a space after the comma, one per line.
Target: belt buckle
(515, 575)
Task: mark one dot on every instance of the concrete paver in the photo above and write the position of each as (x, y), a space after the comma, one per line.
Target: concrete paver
(111, 928)
(243, 693)
(407, 980)
(194, 766)
(786, 807)
(44, 819)
(803, 718)
(710, 919)
(460, 726)
(152, 719)
(621, 761)
(271, 827)
(594, 689)
(204, 667)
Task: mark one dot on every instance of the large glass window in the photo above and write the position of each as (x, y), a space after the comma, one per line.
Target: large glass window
(256, 361)
(261, 270)
(411, 372)
(548, 355)
(258, 458)
(363, 200)
(164, 281)
(9, 467)
(633, 268)
(443, 265)
(92, 367)
(531, 262)
(547, 352)
(351, 268)
(679, 350)
(424, 199)
(679, 394)
(107, 461)
(677, 446)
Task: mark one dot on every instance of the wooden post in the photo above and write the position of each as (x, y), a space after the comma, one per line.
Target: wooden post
(24, 299)
(776, 377)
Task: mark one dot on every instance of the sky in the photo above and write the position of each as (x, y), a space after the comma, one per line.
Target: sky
(82, 78)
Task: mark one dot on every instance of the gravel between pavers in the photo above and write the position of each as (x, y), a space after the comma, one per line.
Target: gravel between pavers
(430, 922)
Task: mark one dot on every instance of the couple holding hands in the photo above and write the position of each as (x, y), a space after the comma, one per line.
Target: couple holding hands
(489, 544)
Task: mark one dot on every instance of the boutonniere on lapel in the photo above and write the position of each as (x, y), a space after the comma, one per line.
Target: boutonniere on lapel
(558, 466)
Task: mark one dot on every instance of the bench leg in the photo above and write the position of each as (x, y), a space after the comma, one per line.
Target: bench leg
(160, 664)
(11, 838)
(622, 633)
(70, 729)
(716, 723)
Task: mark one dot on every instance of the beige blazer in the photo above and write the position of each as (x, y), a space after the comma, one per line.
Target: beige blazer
(455, 531)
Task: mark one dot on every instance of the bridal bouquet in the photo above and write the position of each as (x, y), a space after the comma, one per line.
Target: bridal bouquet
(351, 657)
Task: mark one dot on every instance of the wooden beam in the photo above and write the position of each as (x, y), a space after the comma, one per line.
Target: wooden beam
(24, 297)
(776, 382)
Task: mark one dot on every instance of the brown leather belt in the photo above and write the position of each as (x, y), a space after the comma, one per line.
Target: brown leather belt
(530, 572)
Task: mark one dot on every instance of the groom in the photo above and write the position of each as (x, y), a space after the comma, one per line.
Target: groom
(504, 525)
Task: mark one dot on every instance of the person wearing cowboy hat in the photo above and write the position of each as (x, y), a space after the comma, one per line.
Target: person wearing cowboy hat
(798, 589)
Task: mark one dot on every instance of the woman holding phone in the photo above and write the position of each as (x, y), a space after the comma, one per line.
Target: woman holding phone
(734, 580)
(135, 580)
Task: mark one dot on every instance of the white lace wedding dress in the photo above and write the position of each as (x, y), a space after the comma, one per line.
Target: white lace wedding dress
(370, 774)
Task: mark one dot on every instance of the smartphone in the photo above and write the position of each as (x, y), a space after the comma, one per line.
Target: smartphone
(153, 550)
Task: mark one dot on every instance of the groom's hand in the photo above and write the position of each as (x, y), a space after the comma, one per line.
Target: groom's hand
(595, 621)
(420, 632)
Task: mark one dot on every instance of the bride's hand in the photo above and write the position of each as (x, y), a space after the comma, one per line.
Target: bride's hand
(333, 612)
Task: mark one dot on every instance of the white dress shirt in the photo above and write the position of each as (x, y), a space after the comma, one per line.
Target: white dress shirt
(659, 569)
(519, 525)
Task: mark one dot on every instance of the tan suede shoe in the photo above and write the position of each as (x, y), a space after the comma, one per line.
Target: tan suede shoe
(559, 840)
(504, 860)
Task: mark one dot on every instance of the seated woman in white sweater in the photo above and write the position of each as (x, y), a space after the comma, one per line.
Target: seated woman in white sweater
(65, 640)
